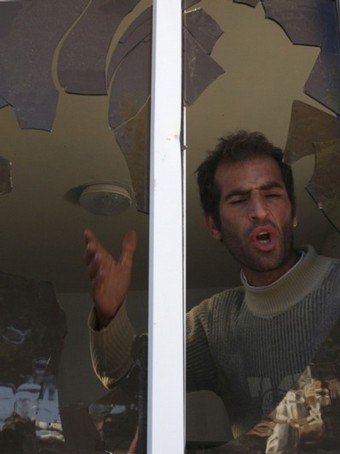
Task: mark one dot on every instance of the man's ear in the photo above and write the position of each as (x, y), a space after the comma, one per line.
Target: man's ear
(295, 220)
(215, 232)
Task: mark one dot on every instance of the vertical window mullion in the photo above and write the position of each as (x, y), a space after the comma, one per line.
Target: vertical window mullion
(166, 385)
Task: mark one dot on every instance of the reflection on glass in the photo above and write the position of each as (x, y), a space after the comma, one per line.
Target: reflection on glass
(118, 414)
(28, 391)
(324, 186)
(31, 336)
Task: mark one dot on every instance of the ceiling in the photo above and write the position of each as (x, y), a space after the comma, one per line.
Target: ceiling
(41, 229)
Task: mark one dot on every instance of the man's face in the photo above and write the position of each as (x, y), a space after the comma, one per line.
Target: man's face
(256, 218)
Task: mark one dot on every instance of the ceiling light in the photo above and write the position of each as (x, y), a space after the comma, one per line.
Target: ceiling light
(105, 199)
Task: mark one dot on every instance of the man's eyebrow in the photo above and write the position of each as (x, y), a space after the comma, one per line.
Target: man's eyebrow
(272, 185)
(237, 192)
(245, 192)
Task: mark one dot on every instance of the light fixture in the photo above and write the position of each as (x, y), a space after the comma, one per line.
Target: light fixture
(105, 199)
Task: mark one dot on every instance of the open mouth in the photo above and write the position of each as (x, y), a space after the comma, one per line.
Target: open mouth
(263, 237)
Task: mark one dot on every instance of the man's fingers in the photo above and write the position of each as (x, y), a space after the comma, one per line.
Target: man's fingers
(93, 266)
(95, 255)
(98, 259)
(89, 236)
(109, 279)
(129, 247)
(93, 247)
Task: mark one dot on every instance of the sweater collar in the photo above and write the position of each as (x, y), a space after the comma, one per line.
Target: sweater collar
(273, 299)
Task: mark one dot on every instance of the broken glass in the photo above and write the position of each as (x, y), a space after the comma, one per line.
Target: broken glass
(130, 70)
(3, 102)
(83, 55)
(324, 185)
(324, 81)
(248, 2)
(313, 23)
(200, 35)
(135, 144)
(81, 66)
(308, 125)
(25, 81)
(306, 22)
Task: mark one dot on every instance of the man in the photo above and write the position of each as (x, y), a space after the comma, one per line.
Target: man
(247, 344)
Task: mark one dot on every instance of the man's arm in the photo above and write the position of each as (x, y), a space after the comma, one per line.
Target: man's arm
(111, 333)
(110, 279)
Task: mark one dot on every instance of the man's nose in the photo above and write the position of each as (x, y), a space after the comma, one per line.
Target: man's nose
(258, 208)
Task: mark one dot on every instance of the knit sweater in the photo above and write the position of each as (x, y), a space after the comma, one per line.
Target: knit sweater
(247, 344)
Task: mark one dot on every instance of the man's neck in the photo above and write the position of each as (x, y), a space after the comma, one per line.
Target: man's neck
(263, 278)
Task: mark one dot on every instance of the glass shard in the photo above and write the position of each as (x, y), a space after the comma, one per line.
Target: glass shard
(308, 125)
(134, 141)
(324, 185)
(200, 35)
(131, 84)
(130, 70)
(324, 81)
(32, 38)
(3, 102)
(315, 23)
(136, 33)
(200, 69)
(203, 28)
(129, 108)
(83, 55)
(248, 2)
(9, 11)
(308, 22)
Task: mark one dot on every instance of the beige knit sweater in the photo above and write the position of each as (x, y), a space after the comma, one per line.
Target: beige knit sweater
(247, 344)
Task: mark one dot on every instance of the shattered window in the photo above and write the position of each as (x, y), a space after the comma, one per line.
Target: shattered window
(75, 82)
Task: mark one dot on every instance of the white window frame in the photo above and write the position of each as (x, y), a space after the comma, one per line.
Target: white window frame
(166, 359)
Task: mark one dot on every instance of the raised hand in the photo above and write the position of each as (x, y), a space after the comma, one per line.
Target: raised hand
(110, 279)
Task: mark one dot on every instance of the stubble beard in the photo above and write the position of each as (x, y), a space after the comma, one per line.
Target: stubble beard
(258, 261)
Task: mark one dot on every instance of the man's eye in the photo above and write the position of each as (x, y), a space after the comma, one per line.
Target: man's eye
(273, 195)
(237, 201)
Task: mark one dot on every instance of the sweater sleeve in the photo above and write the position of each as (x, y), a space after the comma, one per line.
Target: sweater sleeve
(110, 347)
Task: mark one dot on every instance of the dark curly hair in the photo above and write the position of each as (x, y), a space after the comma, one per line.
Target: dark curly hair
(236, 147)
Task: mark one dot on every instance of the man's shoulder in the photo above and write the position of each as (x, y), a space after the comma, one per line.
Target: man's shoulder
(228, 294)
(334, 270)
(227, 300)
(332, 262)
(328, 269)
(309, 249)
(313, 259)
